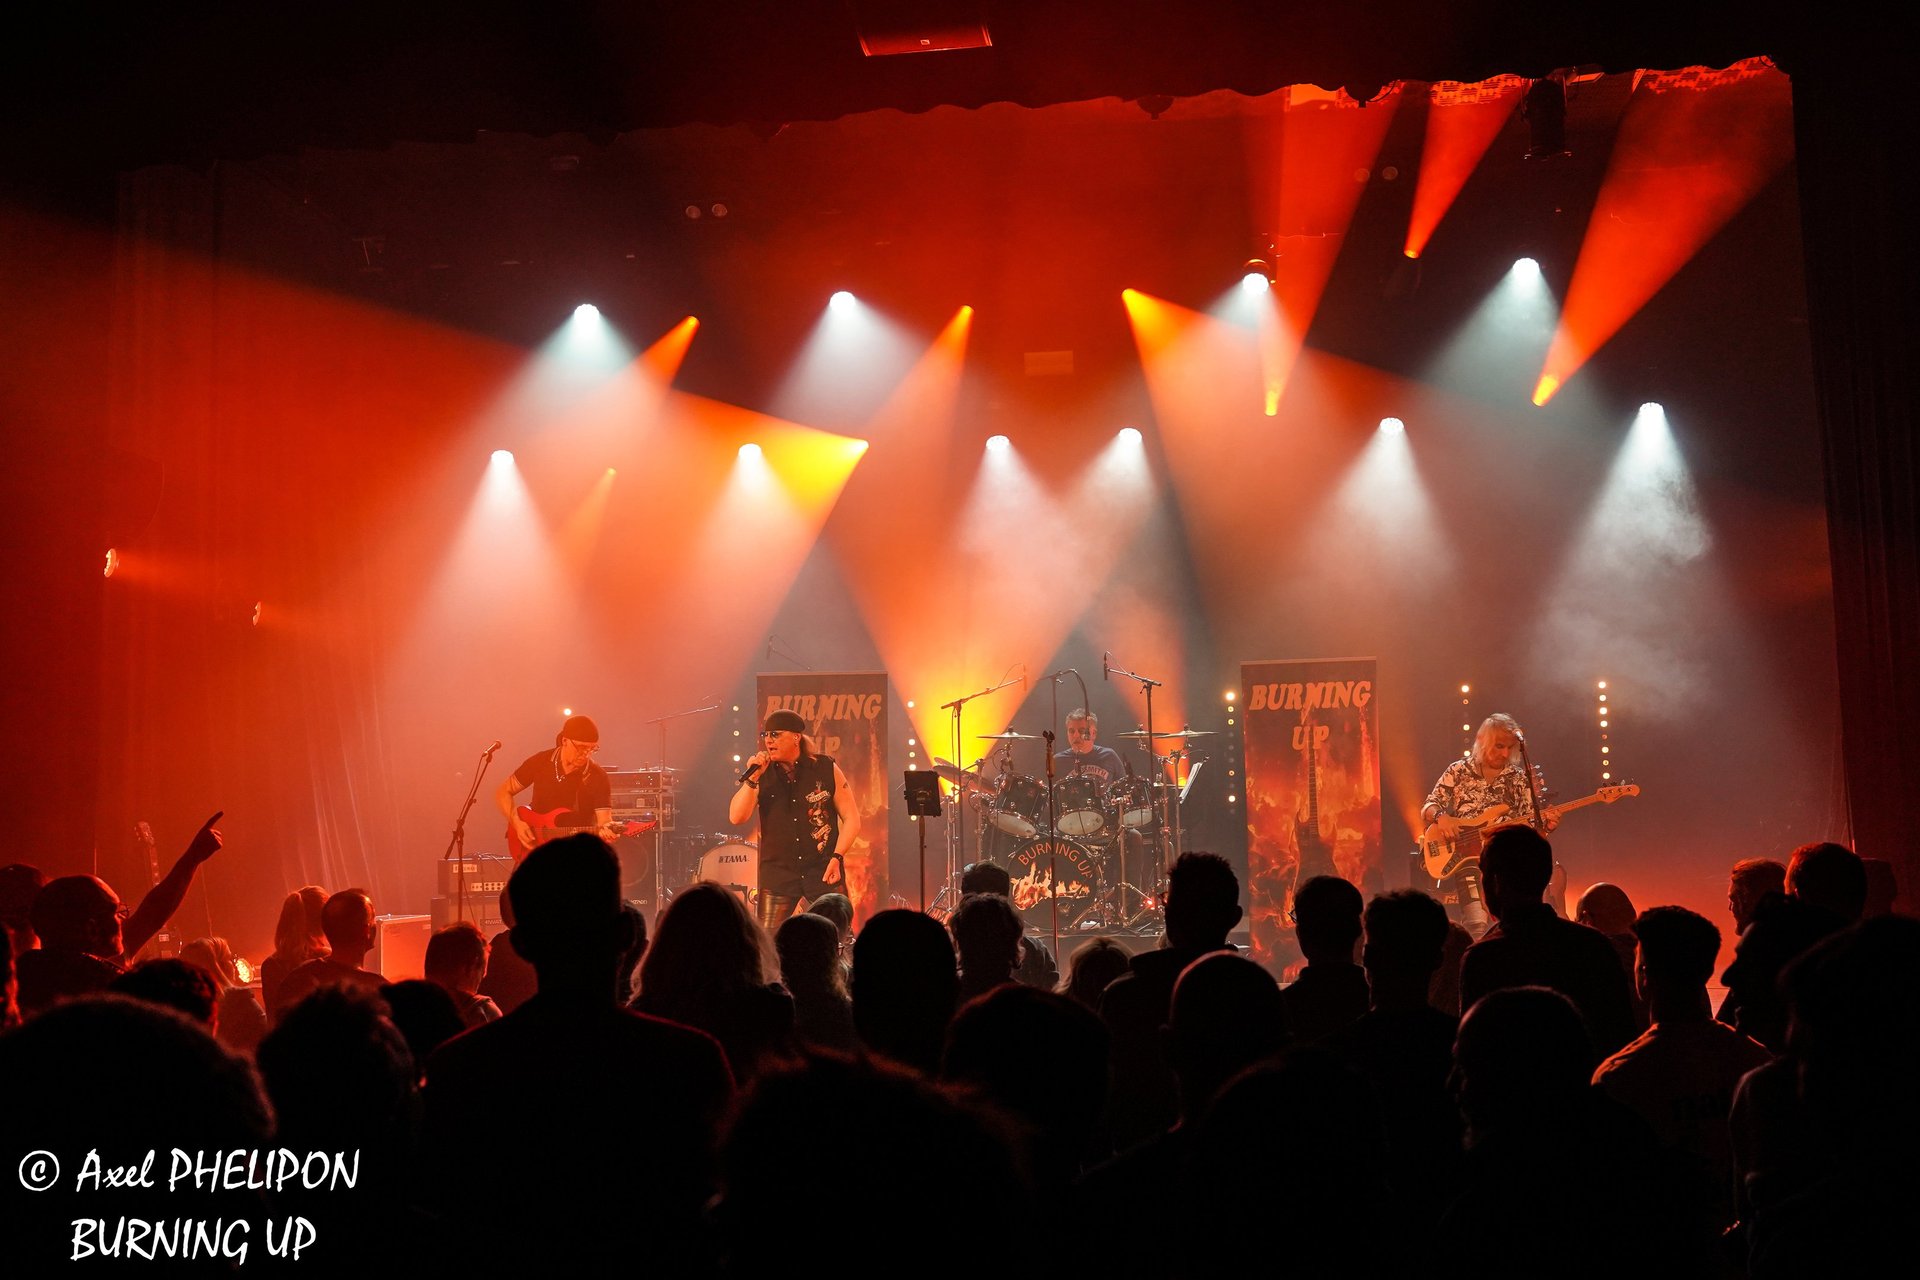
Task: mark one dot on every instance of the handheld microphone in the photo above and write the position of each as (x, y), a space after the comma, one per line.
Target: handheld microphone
(753, 771)
(1106, 662)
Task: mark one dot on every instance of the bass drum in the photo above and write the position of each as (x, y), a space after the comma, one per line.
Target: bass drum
(734, 864)
(1044, 867)
(1077, 805)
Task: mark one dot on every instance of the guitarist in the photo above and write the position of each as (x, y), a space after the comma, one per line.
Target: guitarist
(1487, 775)
(563, 778)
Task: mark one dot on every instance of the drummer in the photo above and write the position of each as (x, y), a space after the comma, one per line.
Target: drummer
(1084, 755)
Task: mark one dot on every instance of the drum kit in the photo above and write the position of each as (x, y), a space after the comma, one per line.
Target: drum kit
(1077, 843)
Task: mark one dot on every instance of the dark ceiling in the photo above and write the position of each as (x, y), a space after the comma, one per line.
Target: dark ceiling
(101, 86)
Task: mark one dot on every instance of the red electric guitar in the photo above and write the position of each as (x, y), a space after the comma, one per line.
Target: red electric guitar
(558, 822)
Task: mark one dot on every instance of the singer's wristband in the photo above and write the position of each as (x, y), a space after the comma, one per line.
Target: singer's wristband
(752, 782)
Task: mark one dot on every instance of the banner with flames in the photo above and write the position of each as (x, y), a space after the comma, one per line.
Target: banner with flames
(846, 715)
(1311, 733)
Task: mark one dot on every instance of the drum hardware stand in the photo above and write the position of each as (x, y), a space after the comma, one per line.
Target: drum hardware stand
(957, 830)
(457, 845)
(1159, 841)
(1053, 679)
(660, 843)
(1053, 846)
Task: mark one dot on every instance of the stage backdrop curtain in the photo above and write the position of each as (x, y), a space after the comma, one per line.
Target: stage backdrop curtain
(1854, 121)
(243, 636)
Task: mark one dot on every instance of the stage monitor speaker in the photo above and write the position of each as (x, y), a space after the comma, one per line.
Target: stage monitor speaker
(919, 26)
(400, 947)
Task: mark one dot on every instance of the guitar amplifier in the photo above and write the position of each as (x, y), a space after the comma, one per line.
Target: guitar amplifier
(642, 788)
(485, 873)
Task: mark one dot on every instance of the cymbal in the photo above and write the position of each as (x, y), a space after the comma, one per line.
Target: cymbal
(1008, 736)
(960, 777)
(1183, 733)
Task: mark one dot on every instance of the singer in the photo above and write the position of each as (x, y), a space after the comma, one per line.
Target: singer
(808, 817)
(565, 781)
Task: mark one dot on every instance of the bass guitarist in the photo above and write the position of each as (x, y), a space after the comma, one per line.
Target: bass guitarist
(570, 791)
(1486, 777)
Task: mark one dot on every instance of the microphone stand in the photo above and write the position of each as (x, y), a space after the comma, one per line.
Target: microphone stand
(773, 648)
(1533, 785)
(457, 843)
(1153, 757)
(660, 827)
(957, 833)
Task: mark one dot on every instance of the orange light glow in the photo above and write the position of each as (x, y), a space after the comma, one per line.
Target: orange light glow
(1684, 163)
(662, 359)
(1460, 128)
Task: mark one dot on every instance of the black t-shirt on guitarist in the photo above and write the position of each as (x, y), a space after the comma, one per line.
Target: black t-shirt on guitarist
(582, 791)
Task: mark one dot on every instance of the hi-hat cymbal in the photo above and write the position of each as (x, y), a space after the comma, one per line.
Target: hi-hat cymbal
(1008, 736)
(1182, 733)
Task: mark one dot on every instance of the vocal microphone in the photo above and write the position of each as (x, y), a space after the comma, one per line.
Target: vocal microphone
(753, 771)
(490, 750)
(1106, 662)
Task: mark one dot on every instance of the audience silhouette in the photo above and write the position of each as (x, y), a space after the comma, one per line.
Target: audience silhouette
(1093, 967)
(1037, 967)
(809, 951)
(987, 935)
(1331, 990)
(906, 985)
(1559, 1178)
(1043, 1059)
(1403, 1046)
(707, 966)
(347, 920)
(297, 938)
(604, 1118)
(1680, 1074)
(1202, 907)
(457, 962)
(1528, 945)
(915, 1179)
(1826, 891)
(1170, 1113)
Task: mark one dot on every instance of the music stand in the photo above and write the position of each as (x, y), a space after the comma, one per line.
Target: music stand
(922, 792)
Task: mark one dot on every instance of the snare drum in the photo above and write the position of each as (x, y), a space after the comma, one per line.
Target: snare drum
(1019, 807)
(1077, 805)
(1132, 801)
(734, 864)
